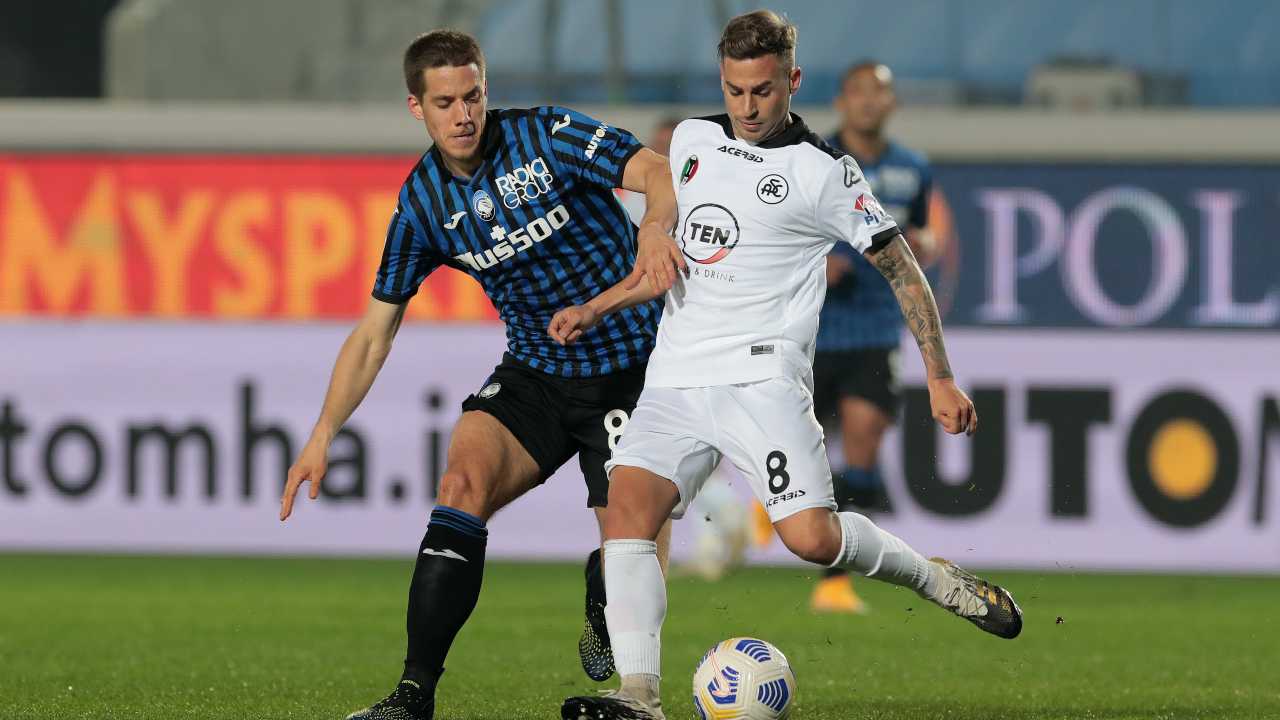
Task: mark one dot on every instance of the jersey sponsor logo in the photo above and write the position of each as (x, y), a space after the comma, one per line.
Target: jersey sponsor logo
(483, 205)
(870, 208)
(516, 241)
(740, 153)
(710, 232)
(761, 349)
(559, 125)
(772, 189)
(851, 174)
(793, 495)
(595, 140)
(453, 221)
(525, 183)
(690, 169)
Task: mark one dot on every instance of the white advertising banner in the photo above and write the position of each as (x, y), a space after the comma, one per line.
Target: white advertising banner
(1096, 450)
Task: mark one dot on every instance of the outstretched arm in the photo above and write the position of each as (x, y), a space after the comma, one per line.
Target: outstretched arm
(951, 407)
(358, 363)
(569, 324)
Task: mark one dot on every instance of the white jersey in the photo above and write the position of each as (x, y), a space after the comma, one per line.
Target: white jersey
(755, 224)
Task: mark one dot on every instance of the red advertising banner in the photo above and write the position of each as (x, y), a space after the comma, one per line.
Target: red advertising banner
(206, 237)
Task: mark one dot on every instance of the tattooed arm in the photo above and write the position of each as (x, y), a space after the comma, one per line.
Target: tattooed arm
(951, 407)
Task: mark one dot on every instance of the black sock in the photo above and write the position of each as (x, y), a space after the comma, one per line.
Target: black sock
(444, 590)
(834, 572)
(595, 579)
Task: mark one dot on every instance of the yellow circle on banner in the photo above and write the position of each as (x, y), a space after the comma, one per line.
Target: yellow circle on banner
(1182, 459)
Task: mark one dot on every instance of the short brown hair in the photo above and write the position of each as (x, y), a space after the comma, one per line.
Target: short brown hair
(756, 34)
(439, 48)
(882, 71)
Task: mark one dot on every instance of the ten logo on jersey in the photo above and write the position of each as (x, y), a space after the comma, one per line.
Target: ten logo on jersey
(710, 232)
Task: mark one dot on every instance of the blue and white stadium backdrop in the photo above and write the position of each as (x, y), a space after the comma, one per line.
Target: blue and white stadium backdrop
(1115, 325)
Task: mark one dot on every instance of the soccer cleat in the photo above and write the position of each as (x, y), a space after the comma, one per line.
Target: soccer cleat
(407, 702)
(836, 595)
(988, 606)
(594, 649)
(609, 706)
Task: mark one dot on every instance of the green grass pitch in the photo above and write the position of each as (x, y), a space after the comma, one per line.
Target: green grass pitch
(176, 637)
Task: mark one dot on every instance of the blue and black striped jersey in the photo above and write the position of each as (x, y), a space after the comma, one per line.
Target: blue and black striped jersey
(539, 226)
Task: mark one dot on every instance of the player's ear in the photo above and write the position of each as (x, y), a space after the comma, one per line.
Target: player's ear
(794, 80)
(415, 107)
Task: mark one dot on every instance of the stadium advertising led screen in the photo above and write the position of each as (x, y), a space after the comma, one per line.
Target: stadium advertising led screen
(159, 375)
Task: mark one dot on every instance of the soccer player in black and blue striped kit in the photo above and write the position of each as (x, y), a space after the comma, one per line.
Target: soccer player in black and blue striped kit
(523, 201)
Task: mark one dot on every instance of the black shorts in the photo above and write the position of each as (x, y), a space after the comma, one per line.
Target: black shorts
(870, 374)
(555, 417)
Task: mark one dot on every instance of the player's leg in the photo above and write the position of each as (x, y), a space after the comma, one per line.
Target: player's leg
(598, 410)
(656, 470)
(772, 436)
(595, 651)
(852, 541)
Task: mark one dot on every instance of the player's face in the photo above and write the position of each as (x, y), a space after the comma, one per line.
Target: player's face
(866, 100)
(452, 107)
(757, 95)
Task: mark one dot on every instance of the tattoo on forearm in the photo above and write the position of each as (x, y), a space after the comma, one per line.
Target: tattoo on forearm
(919, 310)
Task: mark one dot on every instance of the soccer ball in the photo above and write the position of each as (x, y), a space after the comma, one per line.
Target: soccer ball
(743, 678)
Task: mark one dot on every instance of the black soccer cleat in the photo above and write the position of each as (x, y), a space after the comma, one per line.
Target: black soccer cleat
(608, 707)
(407, 702)
(594, 649)
(984, 604)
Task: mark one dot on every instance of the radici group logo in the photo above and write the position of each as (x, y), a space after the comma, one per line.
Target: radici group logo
(709, 233)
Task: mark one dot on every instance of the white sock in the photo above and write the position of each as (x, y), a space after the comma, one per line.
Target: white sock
(876, 553)
(636, 605)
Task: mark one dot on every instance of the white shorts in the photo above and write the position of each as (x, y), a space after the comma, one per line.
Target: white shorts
(766, 429)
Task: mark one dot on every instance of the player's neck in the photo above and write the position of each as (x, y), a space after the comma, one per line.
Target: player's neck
(865, 147)
(463, 168)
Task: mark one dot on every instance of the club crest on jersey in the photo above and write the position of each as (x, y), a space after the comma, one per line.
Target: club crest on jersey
(709, 233)
(483, 205)
(690, 169)
(772, 189)
(870, 208)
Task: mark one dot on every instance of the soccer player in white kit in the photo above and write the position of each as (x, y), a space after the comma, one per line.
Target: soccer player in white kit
(761, 202)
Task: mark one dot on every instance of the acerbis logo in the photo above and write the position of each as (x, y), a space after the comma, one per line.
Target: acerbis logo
(525, 183)
(483, 205)
(516, 241)
(595, 140)
(793, 495)
(772, 189)
(709, 233)
(740, 153)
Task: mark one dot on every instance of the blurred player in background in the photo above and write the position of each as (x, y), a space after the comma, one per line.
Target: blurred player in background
(856, 365)
(762, 200)
(522, 200)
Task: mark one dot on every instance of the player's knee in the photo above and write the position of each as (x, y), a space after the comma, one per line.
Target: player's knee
(466, 490)
(816, 544)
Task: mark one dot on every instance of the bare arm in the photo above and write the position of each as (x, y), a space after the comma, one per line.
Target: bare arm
(951, 406)
(358, 363)
(658, 258)
(569, 324)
